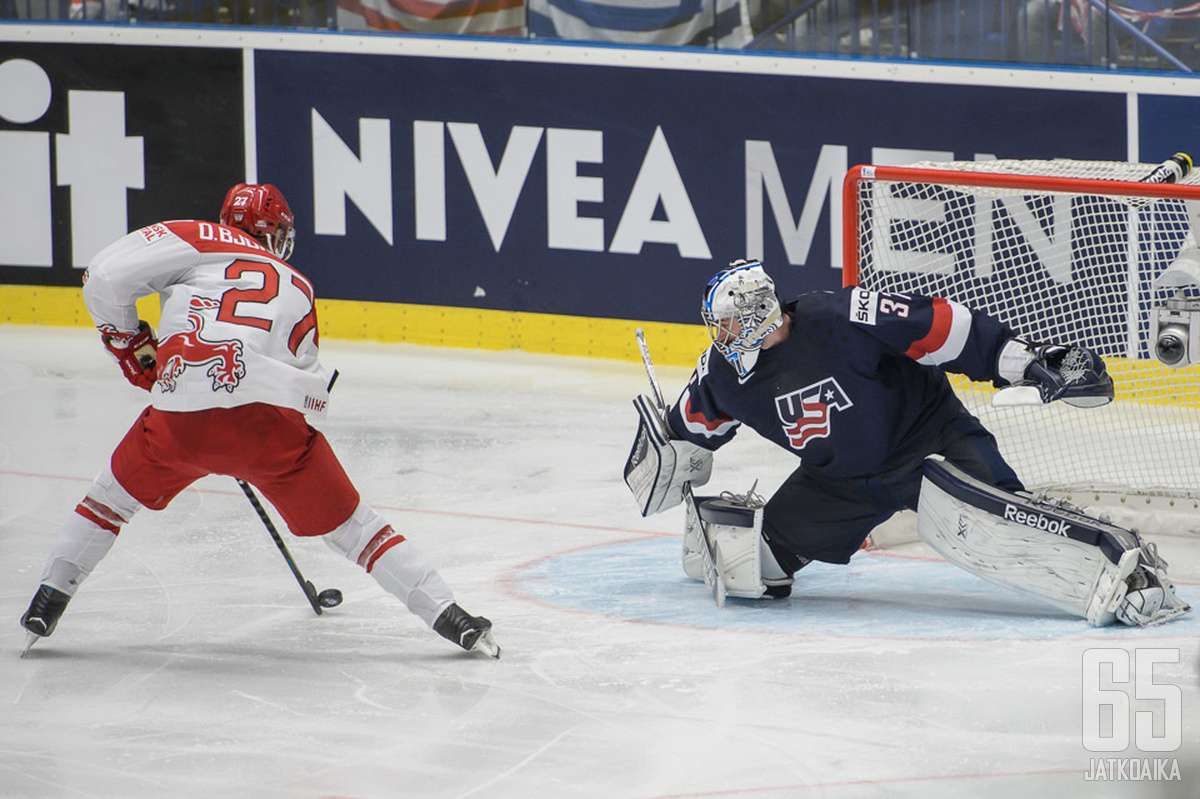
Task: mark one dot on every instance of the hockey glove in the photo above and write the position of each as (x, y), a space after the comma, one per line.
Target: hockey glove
(136, 353)
(1071, 373)
(659, 467)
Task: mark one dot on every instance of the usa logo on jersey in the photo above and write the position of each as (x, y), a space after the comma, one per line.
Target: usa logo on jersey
(805, 412)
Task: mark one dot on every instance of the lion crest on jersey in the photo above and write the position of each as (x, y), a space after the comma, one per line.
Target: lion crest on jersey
(180, 350)
(805, 412)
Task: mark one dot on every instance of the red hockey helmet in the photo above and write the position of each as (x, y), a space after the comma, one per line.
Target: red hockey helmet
(261, 211)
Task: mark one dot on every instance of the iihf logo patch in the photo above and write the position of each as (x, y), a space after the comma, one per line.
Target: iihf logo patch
(805, 412)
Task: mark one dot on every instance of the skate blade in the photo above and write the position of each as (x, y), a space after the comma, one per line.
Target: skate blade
(487, 645)
(30, 640)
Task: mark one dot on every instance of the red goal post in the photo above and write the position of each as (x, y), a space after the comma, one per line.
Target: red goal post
(1064, 251)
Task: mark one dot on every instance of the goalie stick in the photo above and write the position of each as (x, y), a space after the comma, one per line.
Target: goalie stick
(714, 574)
(330, 597)
(651, 375)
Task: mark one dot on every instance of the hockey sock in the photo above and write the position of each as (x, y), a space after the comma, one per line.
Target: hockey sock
(395, 563)
(89, 533)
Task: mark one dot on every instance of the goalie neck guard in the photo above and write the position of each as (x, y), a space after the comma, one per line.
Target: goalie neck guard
(740, 309)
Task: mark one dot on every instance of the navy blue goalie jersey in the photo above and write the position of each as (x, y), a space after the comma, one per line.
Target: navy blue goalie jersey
(858, 384)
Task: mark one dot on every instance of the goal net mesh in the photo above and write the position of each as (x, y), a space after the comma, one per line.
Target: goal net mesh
(1059, 262)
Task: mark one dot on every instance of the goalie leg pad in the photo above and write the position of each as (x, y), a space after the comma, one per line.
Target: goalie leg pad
(735, 532)
(658, 466)
(723, 545)
(1065, 558)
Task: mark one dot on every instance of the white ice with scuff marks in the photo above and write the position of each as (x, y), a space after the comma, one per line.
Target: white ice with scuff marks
(189, 664)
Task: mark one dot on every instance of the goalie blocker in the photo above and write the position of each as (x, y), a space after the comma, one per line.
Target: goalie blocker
(658, 467)
(1082, 565)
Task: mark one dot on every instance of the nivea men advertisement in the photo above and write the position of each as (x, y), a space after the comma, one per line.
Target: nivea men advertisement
(584, 190)
(605, 191)
(97, 140)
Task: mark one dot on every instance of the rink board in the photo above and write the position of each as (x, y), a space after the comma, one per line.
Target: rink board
(524, 189)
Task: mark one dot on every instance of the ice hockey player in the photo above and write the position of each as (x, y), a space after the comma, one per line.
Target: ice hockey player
(231, 376)
(853, 382)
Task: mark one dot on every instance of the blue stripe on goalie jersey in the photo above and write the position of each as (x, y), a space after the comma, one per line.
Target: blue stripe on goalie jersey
(887, 407)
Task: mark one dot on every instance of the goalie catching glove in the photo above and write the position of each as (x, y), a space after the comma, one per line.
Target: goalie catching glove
(136, 353)
(1071, 373)
(659, 467)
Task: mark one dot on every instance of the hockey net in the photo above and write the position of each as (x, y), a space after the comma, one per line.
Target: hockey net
(1063, 251)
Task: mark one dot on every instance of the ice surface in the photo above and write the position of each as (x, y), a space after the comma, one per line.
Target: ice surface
(189, 664)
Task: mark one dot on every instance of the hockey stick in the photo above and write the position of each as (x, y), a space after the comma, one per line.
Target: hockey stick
(655, 389)
(711, 564)
(330, 597)
(713, 568)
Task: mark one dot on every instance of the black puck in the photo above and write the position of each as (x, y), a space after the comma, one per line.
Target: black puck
(330, 598)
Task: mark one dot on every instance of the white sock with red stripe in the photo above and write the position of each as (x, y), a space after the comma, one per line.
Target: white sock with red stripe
(89, 533)
(395, 563)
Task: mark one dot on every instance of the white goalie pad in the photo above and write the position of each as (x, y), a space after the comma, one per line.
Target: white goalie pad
(722, 545)
(658, 467)
(1064, 557)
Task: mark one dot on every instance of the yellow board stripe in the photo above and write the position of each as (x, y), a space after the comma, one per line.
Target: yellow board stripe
(472, 328)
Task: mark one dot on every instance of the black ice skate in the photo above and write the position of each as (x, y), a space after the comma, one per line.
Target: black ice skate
(42, 616)
(472, 633)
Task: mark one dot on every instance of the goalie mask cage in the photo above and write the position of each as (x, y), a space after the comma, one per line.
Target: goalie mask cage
(1066, 252)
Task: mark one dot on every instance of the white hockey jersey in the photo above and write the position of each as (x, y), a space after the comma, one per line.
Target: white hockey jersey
(238, 324)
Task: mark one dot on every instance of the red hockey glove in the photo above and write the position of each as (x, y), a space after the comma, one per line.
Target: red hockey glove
(135, 354)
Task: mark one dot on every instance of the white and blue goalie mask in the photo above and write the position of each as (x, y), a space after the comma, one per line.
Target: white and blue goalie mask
(740, 309)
